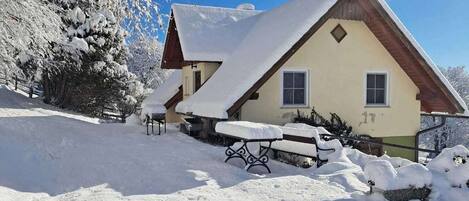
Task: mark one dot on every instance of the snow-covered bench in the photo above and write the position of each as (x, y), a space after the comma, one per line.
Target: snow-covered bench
(155, 112)
(301, 139)
(247, 132)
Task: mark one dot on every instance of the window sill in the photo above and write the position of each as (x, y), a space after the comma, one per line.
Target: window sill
(294, 107)
(377, 106)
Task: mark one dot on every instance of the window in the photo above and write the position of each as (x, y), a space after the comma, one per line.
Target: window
(339, 33)
(376, 89)
(197, 80)
(294, 89)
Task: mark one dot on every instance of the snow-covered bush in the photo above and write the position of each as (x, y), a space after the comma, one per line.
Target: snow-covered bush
(382, 174)
(453, 163)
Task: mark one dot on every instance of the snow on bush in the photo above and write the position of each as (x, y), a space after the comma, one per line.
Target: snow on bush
(144, 60)
(26, 25)
(452, 162)
(386, 173)
(382, 174)
(78, 44)
(132, 120)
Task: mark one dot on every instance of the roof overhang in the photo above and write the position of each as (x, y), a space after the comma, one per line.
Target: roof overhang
(436, 94)
(175, 99)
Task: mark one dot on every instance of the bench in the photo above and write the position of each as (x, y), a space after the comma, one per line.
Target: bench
(300, 140)
(248, 132)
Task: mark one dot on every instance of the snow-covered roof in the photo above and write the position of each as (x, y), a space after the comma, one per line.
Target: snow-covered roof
(424, 54)
(165, 91)
(257, 53)
(211, 33)
(254, 56)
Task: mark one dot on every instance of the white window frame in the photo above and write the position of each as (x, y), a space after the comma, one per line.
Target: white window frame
(299, 70)
(387, 88)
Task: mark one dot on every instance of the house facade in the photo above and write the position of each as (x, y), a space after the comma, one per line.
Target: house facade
(350, 57)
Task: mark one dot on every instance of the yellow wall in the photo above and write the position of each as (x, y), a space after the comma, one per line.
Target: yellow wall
(172, 116)
(337, 84)
(207, 70)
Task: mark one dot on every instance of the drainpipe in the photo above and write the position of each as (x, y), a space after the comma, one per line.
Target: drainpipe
(417, 136)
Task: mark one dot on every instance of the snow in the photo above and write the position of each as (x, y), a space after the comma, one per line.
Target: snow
(254, 56)
(304, 130)
(295, 147)
(249, 130)
(444, 161)
(76, 15)
(210, 33)
(456, 171)
(166, 90)
(26, 25)
(156, 101)
(427, 58)
(246, 6)
(46, 155)
(133, 120)
(385, 177)
(79, 44)
(154, 109)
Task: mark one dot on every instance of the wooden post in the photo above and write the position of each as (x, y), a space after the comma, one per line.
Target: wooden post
(31, 91)
(123, 118)
(16, 82)
(6, 78)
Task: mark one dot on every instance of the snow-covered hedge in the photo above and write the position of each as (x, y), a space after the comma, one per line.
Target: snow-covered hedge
(447, 174)
(381, 174)
(453, 164)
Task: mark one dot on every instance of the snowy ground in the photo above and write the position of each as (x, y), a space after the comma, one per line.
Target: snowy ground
(47, 154)
(57, 155)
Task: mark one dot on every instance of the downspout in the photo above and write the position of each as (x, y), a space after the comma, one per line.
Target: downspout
(417, 136)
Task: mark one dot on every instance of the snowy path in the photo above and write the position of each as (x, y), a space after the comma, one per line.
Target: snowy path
(43, 149)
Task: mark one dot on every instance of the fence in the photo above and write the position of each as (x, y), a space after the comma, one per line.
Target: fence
(111, 113)
(31, 88)
(35, 88)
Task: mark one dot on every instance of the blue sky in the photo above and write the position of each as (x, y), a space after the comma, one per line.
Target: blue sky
(440, 26)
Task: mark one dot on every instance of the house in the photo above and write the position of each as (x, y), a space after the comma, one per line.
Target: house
(164, 98)
(350, 57)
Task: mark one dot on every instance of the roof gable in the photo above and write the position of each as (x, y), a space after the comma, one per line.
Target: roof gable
(273, 34)
(436, 93)
(211, 33)
(278, 33)
(172, 53)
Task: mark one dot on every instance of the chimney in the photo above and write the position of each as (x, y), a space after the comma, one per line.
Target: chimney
(246, 6)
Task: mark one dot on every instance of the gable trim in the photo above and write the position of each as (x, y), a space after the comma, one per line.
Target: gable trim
(175, 99)
(172, 57)
(423, 65)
